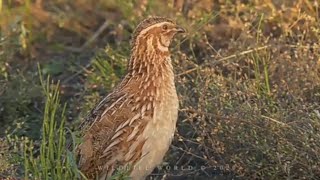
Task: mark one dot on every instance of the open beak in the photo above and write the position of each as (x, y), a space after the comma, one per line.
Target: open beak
(180, 29)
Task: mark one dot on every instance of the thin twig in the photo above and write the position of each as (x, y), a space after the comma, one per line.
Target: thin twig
(82, 69)
(91, 39)
(225, 58)
(190, 153)
(273, 120)
(96, 34)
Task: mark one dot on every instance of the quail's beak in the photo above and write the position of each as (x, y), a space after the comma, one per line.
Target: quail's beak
(180, 29)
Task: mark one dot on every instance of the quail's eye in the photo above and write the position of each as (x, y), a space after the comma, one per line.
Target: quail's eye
(165, 27)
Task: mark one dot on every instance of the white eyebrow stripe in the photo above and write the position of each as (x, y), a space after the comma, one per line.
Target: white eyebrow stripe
(150, 27)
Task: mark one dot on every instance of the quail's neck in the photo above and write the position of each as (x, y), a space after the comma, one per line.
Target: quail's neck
(152, 72)
(147, 59)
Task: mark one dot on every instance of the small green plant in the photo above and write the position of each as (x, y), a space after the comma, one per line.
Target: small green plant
(108, 67)
(262, 74)
(122, 174)
(54, 161)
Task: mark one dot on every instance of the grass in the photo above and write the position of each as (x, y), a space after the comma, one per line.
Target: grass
(54, 161)
(247, 76)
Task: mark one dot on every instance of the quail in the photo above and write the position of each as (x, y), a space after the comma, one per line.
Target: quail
(133, 126)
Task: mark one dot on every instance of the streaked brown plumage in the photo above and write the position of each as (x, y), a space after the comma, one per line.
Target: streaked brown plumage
(134, 125)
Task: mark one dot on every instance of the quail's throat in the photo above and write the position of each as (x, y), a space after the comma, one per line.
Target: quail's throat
(149, 57)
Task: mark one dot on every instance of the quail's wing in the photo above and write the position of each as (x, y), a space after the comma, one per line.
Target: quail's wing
(108, 103)
(111, 132)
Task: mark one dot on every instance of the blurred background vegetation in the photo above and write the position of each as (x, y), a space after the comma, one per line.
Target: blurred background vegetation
(247, 75)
